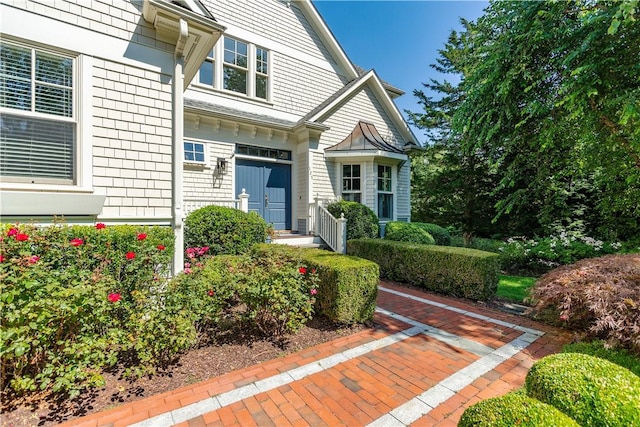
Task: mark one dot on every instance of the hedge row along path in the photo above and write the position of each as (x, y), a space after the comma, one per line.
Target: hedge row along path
(428, 359)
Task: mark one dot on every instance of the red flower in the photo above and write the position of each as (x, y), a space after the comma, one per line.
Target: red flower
(210, 293)
(34, 259)
(76, 242)
(302, 270)
(21, 237)
(100, 226)
(142, 236)
(161, 247)
(564, 317)
(130, 255)
(12, 231)
(114, 297)
(313, 291)
(1, 258)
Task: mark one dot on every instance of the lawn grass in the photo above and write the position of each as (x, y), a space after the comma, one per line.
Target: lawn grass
(514, 288)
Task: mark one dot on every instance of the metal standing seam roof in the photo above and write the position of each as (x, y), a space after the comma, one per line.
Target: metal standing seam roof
(364, 137)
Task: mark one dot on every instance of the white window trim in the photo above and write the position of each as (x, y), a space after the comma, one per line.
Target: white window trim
(252, 71)
(362, 180)
(206, 163)
(83, 117)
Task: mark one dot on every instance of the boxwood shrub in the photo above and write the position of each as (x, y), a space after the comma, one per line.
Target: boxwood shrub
(361, 221)
(407, 232)
(348, 286)
(513, 409)
(453, 271)
(224, 230)
(440, 235)
(598, 348)
(592, 391)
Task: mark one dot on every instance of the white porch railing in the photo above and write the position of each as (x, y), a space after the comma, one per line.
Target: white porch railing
(329, 228)
(191, 204)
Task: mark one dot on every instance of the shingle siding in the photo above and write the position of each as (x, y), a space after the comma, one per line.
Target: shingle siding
(132, 141)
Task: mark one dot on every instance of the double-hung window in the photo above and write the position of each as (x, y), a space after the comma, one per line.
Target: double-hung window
(38, 124)
(351, 179)
(385, 193)
(237, 66)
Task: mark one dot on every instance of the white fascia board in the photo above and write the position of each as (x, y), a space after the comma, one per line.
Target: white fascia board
(315, 19)
(364, 154)
(390, 107)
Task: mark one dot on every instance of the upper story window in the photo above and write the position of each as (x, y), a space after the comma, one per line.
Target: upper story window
(385, 195)
(235, 65)
(194, 152)
(238, 67)
(351, 179)
(38, 126)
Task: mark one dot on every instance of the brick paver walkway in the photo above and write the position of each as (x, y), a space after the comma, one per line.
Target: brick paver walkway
(428, 360)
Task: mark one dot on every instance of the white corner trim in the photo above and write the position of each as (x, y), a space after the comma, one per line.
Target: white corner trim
(84, 168)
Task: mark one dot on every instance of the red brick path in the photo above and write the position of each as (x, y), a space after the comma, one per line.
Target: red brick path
(362, 389)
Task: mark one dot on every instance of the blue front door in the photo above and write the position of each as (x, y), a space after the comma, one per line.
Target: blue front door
(269, 188)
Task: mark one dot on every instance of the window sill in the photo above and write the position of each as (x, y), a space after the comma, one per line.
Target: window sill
(194, 165)
(40, 203)
(231, 94)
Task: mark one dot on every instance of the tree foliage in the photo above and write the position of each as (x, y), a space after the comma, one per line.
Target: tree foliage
(548, 100)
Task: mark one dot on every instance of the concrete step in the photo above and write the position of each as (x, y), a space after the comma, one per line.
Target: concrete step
(299, 240)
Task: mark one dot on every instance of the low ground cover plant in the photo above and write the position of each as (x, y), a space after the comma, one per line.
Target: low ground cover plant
(598, 296)
(224, 230)
(362, 222)
(460, 272)
(76, 299)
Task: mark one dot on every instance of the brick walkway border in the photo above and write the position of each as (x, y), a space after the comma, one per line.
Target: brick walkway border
(429, 359)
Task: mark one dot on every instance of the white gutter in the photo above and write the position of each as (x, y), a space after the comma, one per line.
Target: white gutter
(177, 116)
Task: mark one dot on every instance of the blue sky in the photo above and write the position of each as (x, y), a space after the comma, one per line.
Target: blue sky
(399, 39)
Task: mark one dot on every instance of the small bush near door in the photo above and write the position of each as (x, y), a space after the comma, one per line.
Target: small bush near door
(362, 222)
(224, 230)
(407, 232)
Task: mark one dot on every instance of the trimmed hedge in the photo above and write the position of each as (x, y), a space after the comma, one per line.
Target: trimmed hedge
(440, 235)
(224, 230)
(513, 409)
(348, 285)
(407, 232)
(598, 348)
(453, 271)
(362, 222)
(592, 391)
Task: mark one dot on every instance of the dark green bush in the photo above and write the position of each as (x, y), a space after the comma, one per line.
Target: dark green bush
(453, 271)
(407, 232)
(513, 409)
(440, 235)
(592, 391)
(362, 222)
(224, 230)
(619, 356)
(347, 287)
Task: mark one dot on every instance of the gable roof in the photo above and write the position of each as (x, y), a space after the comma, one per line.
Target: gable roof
(345, 93)
(364, 137)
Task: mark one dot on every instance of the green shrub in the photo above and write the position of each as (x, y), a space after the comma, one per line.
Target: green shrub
(592, 391)
(598, 348)
(479, 243)
(407, 232)
(224, 230)
(347, 287)
(453, 271)
(598, 296)
(440, 235)
(513, 409)
(362, 222)
(75, 300)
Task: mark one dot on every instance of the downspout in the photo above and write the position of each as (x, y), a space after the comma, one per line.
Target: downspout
(177, 116)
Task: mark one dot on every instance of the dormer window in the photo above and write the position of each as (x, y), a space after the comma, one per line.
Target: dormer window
(243, 68)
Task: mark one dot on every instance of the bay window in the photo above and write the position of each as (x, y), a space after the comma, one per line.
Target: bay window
(351, 183)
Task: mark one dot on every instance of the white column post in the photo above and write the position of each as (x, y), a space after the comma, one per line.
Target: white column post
(342, 233)
(244, 201)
